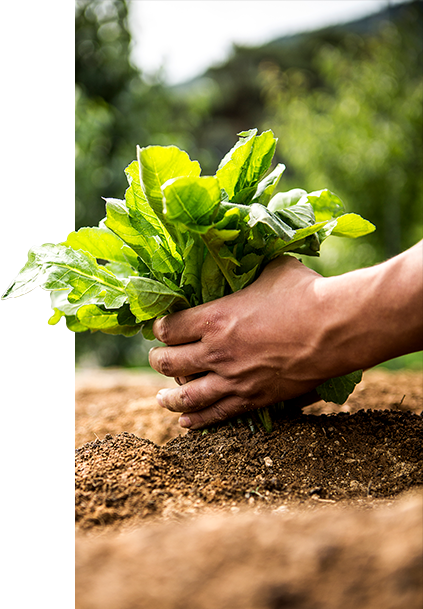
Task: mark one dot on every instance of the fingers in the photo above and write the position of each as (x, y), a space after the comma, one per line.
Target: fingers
(181, 380)
(222, 410)
(195, 395)
(185, 326)
(179, 361)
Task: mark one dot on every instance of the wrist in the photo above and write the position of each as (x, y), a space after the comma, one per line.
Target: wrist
(371, 315)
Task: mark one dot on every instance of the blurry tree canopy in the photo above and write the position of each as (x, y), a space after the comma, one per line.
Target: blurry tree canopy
(358, 132)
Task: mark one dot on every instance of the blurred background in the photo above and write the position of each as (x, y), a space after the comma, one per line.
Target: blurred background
(339, 83)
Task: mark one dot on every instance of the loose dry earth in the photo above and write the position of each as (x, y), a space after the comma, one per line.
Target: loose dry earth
(324, 511)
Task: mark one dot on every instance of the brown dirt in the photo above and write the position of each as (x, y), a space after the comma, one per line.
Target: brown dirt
(324, 511)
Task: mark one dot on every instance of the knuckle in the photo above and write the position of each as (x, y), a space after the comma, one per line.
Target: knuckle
(187, 401)
(214, 320)
(219, 412)
(215, 354)
(163, 364)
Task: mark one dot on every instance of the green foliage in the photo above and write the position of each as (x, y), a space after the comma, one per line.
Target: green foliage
(179, 239)
(361, 128)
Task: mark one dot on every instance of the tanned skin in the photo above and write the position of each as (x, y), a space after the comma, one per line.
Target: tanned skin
(285, 334)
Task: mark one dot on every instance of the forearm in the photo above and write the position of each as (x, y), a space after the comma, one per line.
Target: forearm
(374, 314)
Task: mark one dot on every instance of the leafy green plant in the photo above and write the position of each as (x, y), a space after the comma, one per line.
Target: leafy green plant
(179, 239)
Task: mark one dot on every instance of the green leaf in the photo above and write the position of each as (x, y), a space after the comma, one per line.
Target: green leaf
(110, 322)
(158, 164)
(191, 201)
(348, 225)
(213, 282)
(338, 389)
(262, 215)
(215, 241)
(142, 238)
(141, 214)
(102, 243)
(259, 160)
(147, 330)
(233, 164)
(282, 200)
(122, 270)
(149, 298)
(241, 169)
(57, 267)
(193, 257)
(300, 215)
(326, 204)
(267, 185)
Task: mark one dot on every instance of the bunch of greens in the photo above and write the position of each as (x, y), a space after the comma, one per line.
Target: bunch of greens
(179, 239)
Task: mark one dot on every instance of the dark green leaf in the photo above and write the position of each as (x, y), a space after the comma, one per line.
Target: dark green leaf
(338, 389)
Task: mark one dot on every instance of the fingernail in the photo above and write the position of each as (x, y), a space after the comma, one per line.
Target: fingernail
(161, 394)
(185, 421)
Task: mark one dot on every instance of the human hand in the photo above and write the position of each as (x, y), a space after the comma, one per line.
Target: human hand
(285, 334)
(244, 351)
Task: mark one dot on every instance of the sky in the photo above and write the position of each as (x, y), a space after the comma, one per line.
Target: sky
(185, 37)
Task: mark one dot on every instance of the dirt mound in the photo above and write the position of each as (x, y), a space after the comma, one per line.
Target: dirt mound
(309, 515)
(370, 453)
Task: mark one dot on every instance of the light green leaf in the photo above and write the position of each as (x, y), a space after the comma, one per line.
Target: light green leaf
(191, 201)
(94, 318)
(338, 389)
(326, 204)
(241, 169)
(262, 215)
(348, 225)
(57, 267)
(298, 216)
(139, 235)
(267, 185)
(102, 243)
(282, 200)
(142, 214)
(149, 298)
(233, 163)
(259, 161)
(158, 164)
(122, 270)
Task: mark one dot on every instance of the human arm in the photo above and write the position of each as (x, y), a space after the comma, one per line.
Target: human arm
(287, 333)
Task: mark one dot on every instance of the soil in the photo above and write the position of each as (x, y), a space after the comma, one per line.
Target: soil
(326, 510)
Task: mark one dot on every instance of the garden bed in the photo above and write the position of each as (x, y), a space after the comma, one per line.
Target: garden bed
(324, 511)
